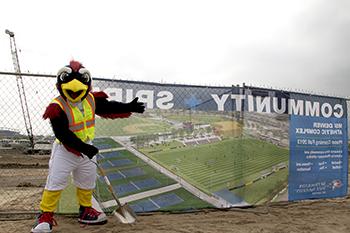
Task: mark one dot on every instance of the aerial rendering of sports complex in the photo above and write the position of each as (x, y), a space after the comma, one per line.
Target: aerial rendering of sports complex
(176, 161)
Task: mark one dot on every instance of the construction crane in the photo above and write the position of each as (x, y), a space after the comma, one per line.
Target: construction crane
(20, 87)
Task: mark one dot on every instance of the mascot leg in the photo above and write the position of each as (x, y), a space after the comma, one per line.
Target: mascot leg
(84, 179)
(49, 200)
(61, 164)
(84, 197)
(48, 205)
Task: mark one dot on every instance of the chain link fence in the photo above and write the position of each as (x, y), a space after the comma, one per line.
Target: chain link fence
(194, 147)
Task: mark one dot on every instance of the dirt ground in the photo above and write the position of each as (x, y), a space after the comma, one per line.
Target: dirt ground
(326, 216)
(321, 216)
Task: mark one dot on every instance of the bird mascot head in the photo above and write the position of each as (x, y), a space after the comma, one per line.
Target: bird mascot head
(74, 82)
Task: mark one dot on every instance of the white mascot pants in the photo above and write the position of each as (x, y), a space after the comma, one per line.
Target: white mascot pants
(63, 163)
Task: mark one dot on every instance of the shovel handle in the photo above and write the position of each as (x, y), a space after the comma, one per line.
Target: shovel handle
(109, 185)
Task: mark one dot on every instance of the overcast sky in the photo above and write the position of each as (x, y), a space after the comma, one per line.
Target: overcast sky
(295, 44)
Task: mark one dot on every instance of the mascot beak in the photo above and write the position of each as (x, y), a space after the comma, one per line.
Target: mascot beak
(74, 90)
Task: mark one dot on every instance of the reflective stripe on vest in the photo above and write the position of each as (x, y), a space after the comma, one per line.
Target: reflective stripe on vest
(81, 124)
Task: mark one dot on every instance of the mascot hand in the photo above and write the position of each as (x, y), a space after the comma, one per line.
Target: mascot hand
(135, 106)
(90, 151)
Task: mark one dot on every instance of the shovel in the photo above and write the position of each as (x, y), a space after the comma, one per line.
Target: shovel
(124, 213)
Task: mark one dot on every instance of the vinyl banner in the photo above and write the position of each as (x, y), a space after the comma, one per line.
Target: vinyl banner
(167, 96)
(318, 148)
(198, 147)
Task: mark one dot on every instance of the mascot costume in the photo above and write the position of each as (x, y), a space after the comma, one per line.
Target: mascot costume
(72, 117)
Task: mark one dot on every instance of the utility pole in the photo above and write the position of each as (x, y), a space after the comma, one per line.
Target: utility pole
(20, 87)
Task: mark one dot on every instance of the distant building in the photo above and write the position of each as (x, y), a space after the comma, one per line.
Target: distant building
(8, 133)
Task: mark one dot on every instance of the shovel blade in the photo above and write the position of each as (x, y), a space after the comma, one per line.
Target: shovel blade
(125, 214)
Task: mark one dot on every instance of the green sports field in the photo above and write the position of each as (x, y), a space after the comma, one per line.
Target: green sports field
(190, 202)
(201, 118)
(134, 125)
(224, 164)
(141, 125)
(263, 190)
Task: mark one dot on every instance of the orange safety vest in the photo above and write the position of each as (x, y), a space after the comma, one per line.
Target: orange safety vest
(81, 124)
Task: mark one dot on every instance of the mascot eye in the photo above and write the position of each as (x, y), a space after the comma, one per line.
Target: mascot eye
(85, 75)
(63, 76)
